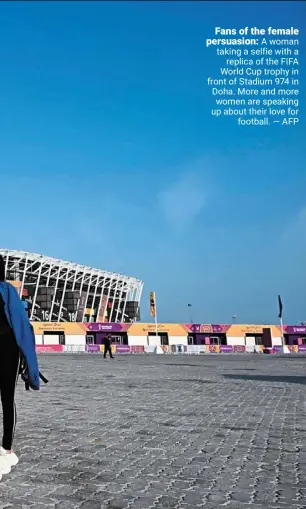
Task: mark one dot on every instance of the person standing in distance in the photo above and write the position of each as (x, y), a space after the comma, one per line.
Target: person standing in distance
(108, 346)
(17, 355)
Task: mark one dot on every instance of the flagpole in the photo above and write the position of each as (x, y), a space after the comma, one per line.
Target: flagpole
(282, 331)
(190, 315)
(156, 324)
(280, 316)
(153, 311)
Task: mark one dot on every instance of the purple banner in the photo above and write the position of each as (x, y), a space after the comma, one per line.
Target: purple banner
(276, 348)
(106, 327)
(292, 348)
(200, 328)
(295, 329)
(239, 348)
(226, 349)
(302, 348)
(100, 337)
(137, 348)
(122, 349)
(92, 348)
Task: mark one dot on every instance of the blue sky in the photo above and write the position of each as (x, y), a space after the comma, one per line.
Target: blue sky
(109, 156)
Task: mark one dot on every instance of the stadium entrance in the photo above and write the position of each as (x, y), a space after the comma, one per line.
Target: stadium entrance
(159, 339)
(295, 334)
(97, 338)
(53, 338)
(253, 340)
(259, 339)
(295, 339)
(207, 339)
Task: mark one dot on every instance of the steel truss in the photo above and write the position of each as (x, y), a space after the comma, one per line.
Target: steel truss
(98, 287)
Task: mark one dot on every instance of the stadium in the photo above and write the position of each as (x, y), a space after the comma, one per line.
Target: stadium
(75, 306)
(54, 290)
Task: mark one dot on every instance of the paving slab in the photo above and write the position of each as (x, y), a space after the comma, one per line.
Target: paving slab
(162, 432)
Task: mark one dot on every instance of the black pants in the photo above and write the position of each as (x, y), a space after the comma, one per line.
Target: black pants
(9, 371)
(109, 350)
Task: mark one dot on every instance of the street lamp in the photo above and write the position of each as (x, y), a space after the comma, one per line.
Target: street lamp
(234, 318)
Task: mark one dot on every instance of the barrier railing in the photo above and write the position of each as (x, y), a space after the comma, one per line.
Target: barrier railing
(165, 349)
(74, 348)
(49, 348)
(292, 348)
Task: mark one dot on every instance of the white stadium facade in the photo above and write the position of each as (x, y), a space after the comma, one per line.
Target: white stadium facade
(60, 291)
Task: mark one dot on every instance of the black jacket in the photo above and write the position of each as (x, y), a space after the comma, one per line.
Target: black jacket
(107, 342)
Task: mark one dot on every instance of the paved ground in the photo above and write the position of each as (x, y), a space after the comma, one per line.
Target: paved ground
(179, 432)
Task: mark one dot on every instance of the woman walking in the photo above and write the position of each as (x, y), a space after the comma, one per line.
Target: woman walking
(17, 355)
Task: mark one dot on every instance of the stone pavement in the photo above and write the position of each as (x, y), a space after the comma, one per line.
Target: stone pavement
(162, 432)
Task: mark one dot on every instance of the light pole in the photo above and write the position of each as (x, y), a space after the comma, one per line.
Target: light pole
(190, 315)
(234, 318)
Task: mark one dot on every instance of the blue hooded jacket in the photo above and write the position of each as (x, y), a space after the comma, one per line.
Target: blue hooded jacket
(23, 331)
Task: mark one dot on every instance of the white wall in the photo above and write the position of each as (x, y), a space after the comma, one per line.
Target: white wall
(235, 341)
(150, 349)
(75, 339)
(137, 340)
(154, 340)
(250, 348)
(38, 339)
(177, 340)
(276, 341)
(51, 339)
(202, 348)
(250, 341)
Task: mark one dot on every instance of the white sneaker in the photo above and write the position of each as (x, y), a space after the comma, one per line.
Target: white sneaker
(7, 461)
(5, 468)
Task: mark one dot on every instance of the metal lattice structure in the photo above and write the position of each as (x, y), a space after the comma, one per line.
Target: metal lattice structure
(59, 291)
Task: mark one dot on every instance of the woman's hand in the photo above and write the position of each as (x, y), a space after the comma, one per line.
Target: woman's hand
(22, 366)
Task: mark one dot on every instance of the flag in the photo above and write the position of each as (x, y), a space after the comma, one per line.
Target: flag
(152, 304)
(280, 305)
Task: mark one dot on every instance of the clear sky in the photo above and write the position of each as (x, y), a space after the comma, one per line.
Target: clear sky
(109, 156)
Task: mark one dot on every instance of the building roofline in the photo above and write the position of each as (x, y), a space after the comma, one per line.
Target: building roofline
(56, 262)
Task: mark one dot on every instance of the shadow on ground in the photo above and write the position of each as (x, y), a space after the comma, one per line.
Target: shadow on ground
(270, 378)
